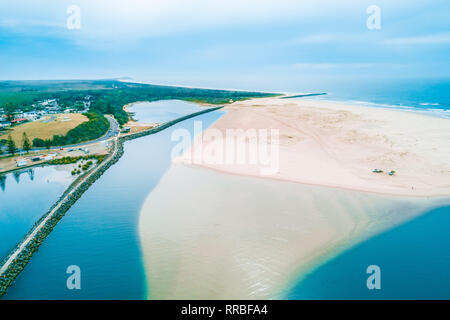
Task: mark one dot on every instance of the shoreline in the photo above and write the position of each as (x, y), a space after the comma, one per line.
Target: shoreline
(333, 187)
(430, 112)
(328, 254)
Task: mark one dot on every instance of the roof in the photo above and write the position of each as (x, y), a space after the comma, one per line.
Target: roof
(19, 119)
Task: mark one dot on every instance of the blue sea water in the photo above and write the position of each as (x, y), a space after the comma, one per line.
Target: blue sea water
(414, 261)
(423, 95)
(100, 231)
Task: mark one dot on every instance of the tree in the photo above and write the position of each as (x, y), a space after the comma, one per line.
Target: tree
(47, 143)
(10, 108)
(11, 145)
(26, 142)
(38, 143)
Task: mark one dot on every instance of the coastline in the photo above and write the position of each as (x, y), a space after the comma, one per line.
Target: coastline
(210, 265)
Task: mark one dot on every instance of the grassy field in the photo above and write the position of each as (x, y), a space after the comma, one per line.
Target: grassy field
(46, 127)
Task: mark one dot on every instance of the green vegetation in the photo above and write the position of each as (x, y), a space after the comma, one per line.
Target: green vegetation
(9, 110)
(12, 149)
(96, 127)
(70, 160)
(106, 96)
(84, 167)
(26, 145)
(87, 165)
(103, 97)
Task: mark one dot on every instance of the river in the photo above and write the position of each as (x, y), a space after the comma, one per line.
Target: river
(100, 232)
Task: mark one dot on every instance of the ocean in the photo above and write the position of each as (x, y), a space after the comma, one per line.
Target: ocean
(430, 96)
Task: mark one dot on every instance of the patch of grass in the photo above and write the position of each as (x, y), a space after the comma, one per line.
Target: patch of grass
(45, 130)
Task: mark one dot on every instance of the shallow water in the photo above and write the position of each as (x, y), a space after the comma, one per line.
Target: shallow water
(414, 260)
(99, 232)
(237, 237)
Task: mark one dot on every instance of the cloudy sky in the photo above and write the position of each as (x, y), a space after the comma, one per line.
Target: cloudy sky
(248, 44)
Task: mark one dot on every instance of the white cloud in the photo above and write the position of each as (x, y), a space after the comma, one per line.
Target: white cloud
(441, 38)
(332, 65)
(324, 38)
(148, 18)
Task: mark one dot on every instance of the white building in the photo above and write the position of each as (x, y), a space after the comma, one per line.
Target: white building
(31, 116)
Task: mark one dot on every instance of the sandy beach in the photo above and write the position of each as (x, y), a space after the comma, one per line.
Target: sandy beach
(224, 231)
(338, 145)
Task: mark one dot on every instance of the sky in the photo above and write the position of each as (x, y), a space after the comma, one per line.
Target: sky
(241, 44)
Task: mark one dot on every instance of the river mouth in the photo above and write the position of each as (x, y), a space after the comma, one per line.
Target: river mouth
(102, 234)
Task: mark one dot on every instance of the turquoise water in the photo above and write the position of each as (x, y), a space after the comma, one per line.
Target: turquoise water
(100, 232)
(162, 110)
(414, 259)
(24, 196)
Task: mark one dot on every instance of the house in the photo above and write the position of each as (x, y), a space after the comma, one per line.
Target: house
(31, 116)
(18, 120)
(52, 109)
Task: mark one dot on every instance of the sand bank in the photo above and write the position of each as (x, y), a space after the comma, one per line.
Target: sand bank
(330, 144)
(210, 235)
(226, 233)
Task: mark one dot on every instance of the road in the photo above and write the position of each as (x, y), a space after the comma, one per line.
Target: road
(113, 131)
